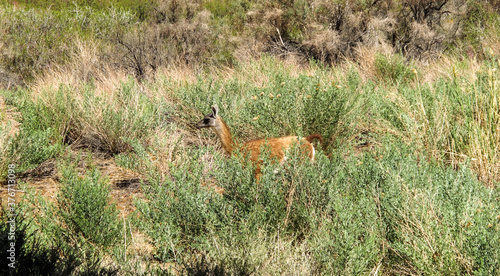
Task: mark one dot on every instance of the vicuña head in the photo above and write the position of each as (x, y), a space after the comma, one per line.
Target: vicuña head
(278, 146)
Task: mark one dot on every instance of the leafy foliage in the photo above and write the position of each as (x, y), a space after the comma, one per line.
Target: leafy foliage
(352, 214)
(84, 224)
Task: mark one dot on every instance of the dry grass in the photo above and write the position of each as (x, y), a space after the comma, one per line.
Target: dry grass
(366, 62)
(432, 126)
(9, 127)
(88, 100)
(268, 255)
(87, 66)
(169, 147)
(8, 121)
(485, 130)
(449, 67)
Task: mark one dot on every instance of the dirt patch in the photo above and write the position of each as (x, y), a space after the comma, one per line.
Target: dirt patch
(125, 184)
(8, 115)
(45, 180)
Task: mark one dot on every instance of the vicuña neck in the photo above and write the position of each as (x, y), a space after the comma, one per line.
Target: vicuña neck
(224, 134)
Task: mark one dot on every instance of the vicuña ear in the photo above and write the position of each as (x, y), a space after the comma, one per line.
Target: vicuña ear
(215, 110)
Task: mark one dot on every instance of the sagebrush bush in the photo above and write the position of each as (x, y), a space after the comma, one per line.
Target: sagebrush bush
(83, 222)
(352, 213)
(302, 106)
(394, 68)
(284, 105)
(84, 205)
(32, 255)
(72, 235)
(37, 140)
(427, 211)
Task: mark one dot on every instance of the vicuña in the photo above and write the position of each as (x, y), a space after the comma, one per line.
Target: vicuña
(278, 146)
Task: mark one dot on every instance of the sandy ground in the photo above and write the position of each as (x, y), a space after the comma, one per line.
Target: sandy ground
(45, 180)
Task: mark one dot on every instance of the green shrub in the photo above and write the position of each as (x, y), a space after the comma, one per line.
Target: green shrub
(394, 68)
(429, 210)
(83, 223)
(38, 138)
(84, 204)
(285, 105)
(301, 106)
(167, 216)
(32, 256)
(387, 210)
(66, 237)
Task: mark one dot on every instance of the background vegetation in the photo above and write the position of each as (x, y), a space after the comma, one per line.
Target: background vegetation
(99, 96)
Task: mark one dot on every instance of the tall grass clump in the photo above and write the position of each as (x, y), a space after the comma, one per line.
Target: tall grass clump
(393, 69)
(106, 120)
(452, 119)
(484, 131)
(164, 151)
(81, 117)
(84, 116)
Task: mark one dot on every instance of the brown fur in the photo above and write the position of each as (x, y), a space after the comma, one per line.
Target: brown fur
(277, 146)
(311, 137)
